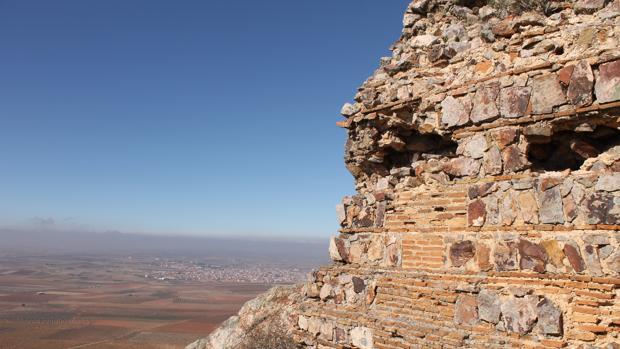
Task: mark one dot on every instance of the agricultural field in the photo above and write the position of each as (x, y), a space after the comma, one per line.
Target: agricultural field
(71, 302)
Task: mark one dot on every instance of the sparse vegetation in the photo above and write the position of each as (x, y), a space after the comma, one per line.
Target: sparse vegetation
(507, 7)
(272, 337)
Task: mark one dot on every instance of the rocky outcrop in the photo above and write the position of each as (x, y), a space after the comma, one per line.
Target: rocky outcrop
(273, 308)
(486, 155)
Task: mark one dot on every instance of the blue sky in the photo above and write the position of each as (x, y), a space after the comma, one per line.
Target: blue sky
(182, 117)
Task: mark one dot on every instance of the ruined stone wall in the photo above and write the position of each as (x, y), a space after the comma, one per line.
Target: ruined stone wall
(486, 154)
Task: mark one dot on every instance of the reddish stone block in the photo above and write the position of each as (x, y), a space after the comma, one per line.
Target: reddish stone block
(533, 256)
(476, 213)
(574, 258)
(607, 88)
(513, 159)
(485, 108)
(466, 310)
(546, 94)
(461, 252)
(581, 83)
(565, 74)
(514, 101)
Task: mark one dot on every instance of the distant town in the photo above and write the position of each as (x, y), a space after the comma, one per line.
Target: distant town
(190, 270)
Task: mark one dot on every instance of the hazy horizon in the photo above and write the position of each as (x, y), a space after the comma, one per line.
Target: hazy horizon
(197, 117)
(28, 242)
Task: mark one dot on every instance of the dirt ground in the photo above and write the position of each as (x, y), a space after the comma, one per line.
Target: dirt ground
(70, 304)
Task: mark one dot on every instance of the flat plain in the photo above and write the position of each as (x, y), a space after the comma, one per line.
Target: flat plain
(71, 302)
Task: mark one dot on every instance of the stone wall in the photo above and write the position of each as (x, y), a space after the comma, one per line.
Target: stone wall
(486, 155)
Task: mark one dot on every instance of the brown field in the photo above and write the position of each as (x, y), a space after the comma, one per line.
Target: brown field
(103, 303)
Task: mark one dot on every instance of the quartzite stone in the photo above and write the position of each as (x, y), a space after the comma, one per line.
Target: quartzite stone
(466, 310)
(372, 293)
(418, 6)
(514, 160)
(456, 32)
(380, 214)
(539, 130)
(533, 256)
(341, 213)
(409, 19)
(423, 41)
(605, 251)
(462, 167)
(351, 213)
(436, 52)
(608, 182)
(375, 249)
(475, 147)
(565, 74)
(596, 239)
(356, 252)
(546, 94)
(393, 255)
(476, 213)
(350, 109)
(549, 317)
(483, 257)
(337, 249)
(362, 338)
(550, 203)
(485, 108)
(492, 214)
(505, 28)
(508, 209)
(487, 12)
(601, 208)
(522, 184)
(492, 163)
(400, 66)
(506, 136)
(392, 140)
(570, 208)
(554, 251)
(327, 330)
(607, 86)
(312, 290)
(514, 101)
(586, 37)
(461, 252)
(358, 284)
(365, 218)
(340, 335)
(581, 83)
(520, 314)
(489, 306)
(548, 182)
(506, 256)
(453, 113)
(302, 322)
(480, 190)
(453, 48)
(326, 292)
(574, 257)
(528, 207)
(614, 263)
(592, 260)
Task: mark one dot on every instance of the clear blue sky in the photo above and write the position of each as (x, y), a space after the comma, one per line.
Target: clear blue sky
(191, 117)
